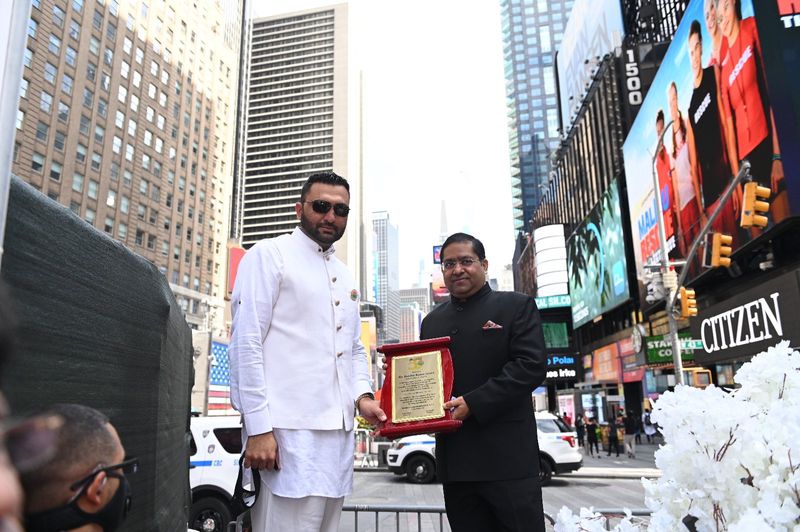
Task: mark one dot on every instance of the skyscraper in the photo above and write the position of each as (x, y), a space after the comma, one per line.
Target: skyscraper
(127, 117)
(532, 31)
(388, 273)
(297, 120)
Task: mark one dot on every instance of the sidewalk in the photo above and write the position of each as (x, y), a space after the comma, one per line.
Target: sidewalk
(604, 466)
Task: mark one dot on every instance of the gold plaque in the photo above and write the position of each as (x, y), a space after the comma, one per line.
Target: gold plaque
(417, 387)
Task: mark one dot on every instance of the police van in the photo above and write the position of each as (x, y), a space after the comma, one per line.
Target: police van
(215, 448)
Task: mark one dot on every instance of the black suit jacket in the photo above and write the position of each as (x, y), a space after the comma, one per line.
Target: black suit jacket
(496, 369)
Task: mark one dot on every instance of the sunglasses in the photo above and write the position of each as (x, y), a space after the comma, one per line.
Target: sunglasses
(129, 466)
(322, 207)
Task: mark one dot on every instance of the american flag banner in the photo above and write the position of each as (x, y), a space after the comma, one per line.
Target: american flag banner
(219, 389)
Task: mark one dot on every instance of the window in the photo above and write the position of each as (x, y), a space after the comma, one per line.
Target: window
(111, 32)
(20, 118)
(90, 216)
(119, 121)
(37, 162)
(102, 107)
(114, 171)
(160, 122)
(124, 204)
(58, 16)
(77, 5)
(71, 56)
(122, 231)
(46, 102)
(111, 199)
(97, 20)
(141, 211)
(91, 71)
(116, 145)
(59, 141)
(108, 56)
(92, 190)
(122, 93)
(145, 161)
(54, 45)
(154, 68)
(151, 90)
(159, 145)
(125, 69)
(134, 103)
(105, 81)
(41, 131)
(74, 29)
(28, 58)
(94, 45)
(80, 153)
(32, 27)
(150, 113)
(88, 98)
(127, 177)
(151, 241)
(139, 57)
(55, 171)
(77, 182)
(109, 225)
(137, 79)
(129, 153)
(50, 72)
(75, 207)
(132, 127)
(99, 133)
(143, 186)
(23, 88)
(162, 99)
(153, 219)
(84, 127)
(63, 112)
(66, 84)
(164, 248)
(97, 160)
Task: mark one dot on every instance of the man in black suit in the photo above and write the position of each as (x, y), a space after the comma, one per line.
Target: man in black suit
(489, 468)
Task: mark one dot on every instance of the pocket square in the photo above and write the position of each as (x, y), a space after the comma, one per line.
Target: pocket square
(491, 325)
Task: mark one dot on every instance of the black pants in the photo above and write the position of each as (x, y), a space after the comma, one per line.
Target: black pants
(496, 506)
(593, 443)
(613, 444)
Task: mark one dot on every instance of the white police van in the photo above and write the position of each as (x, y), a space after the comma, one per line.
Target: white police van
(216, 446)
(558, 452)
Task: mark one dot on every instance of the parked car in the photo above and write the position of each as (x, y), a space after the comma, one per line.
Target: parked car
(413, 456)
(216, 445)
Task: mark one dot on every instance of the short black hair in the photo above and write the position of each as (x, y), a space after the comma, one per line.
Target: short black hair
(660, 116)
(477, 245)
(694, 29)
(83, 442)
(326, 178)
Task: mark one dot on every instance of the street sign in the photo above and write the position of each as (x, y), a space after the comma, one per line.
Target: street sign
(659, 348)
(553, 301)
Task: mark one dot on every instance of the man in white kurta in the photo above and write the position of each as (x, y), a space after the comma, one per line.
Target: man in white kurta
(298, 368)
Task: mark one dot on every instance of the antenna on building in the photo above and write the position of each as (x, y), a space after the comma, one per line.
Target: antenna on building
(444, 234)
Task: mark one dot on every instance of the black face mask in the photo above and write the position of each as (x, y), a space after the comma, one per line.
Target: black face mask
(71, 516)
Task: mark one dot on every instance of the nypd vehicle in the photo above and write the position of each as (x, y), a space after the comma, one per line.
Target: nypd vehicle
(215, 448)
(558, 452)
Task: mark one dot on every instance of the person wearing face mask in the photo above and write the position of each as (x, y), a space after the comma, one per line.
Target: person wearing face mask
(84, 486)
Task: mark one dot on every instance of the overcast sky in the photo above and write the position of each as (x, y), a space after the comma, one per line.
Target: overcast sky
(435, 121)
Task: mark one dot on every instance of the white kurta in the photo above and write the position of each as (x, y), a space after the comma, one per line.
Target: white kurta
(297, 362)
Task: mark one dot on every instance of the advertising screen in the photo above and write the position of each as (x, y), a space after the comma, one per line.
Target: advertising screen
(721, 95)
(598, 279)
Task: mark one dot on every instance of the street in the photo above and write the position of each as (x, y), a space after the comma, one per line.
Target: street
(610, 482)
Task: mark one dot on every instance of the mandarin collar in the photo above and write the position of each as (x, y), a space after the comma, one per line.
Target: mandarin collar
(485, 289)
(305, 240)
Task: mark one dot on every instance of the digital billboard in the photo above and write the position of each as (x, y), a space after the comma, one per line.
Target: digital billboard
(598, 278)
(722, 95)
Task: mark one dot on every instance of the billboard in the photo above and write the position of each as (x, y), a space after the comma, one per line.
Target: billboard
(594, 29)
(598, 278)
(437, 254)
(721, 95)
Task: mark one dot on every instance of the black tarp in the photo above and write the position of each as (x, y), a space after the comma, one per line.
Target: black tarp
(98, 325)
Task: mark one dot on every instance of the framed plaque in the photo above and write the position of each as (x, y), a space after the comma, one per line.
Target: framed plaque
(419, 380)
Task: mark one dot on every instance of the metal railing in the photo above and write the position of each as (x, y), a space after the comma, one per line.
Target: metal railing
(611, 514)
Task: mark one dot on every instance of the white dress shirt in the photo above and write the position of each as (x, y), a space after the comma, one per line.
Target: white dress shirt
(296, 356)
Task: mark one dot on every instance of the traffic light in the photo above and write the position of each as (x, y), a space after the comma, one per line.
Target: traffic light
(721, 250)
(752, 205)
(688, 303)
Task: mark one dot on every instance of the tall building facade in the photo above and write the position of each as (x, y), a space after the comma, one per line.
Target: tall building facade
(410, 321)
(420, 296)
(296, 121)
(387, 274)
(127, 117)
(532, 31)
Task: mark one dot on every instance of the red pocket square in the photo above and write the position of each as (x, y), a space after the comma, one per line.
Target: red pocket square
(491, 325)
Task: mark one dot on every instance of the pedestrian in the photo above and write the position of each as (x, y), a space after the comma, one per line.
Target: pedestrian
(489, 468)
(580, 429)
(613, 437)
(298, 367)
(566, 419)
(591, 436)
(649, 428)
(631, 425)
(84, 485)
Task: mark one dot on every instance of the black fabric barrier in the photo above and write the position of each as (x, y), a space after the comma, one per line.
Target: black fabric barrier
(100, 326)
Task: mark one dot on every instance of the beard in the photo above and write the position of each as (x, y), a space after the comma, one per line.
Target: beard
(313, 230)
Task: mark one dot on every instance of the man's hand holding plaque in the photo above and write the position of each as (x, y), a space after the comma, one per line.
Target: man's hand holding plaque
(419, 378)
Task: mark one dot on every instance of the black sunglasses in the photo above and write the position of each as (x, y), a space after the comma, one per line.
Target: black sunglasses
(129, 466)
(322, 207)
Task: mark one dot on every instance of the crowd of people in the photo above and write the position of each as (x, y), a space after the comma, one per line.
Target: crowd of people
(626, 427)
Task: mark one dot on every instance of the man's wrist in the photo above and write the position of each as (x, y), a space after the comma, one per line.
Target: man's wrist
(362, 396)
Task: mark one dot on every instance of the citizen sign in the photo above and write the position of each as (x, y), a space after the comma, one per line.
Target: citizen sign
(750, 322)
